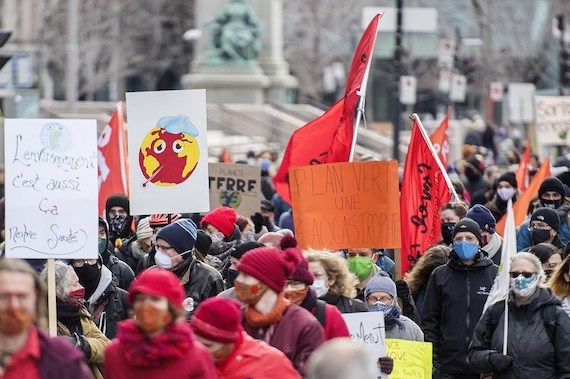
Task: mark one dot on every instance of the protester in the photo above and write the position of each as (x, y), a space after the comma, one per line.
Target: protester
(505, 190)
(341, 358)
(299, 292)
(106, 302)
(418, 278)
(280, 206)
(268, 315)
(549, 255)
(333, 282)
(483, 196)
(538, 341)
(267, 187)
(544, 224)
(559, 283)
(117, 209)
(132, 251)
(217, 325)
(246, 229)
(157, 343)
(220, 225)
(123, 275)
(473, 171)
(156, 222)
(25, 350)
(362, 263)
(235, 255)
(73, 320)
(268, 214)
(492, 241)
(450, 215)
(455, 296)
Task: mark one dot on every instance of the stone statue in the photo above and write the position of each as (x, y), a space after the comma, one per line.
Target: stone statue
(235, 35)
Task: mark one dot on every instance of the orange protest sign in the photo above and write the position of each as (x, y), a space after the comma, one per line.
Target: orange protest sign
(346, 205)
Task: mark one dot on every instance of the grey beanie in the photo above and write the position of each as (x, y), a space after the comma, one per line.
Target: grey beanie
(380, 283)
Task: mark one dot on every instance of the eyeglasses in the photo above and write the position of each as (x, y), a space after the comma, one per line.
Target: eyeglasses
(526, 274)
(83, 262)
(163, 248)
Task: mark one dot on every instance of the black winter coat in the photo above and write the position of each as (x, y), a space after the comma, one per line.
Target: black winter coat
(200, 281)
(110, 308)
(344, 304)
(129, 253)
(455, 297)
(122, 273)
(529, 344)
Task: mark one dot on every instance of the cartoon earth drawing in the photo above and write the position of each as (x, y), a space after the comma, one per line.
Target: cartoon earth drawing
(169, 153)
(230, 198)
(55, 136)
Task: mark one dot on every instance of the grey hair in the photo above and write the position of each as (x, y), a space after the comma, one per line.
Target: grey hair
(341, 358)
(62, 278)
(532, 259)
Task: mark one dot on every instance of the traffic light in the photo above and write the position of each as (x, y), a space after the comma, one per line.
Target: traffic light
(4, 37)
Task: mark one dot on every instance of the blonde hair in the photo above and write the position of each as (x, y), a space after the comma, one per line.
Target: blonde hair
(434, 257)
(336, 267)
(557, 283)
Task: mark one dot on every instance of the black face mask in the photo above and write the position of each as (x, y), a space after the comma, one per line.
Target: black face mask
(447, 232)
(552, 204)
(89, 276)
(539, 236)
(231, 277)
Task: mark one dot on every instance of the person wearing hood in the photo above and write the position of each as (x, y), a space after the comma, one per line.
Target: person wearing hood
(268, 315)
(175, 245)
(73, 320)
(492, 241)
(505, 190)
(455, 296)
(156, 223)
(538, 344)
(117, 214)
(122, 273)
(550, 195)
(217, 325)
(132, 251)
(157, 343)
(220, 225)
(299, 291)
(105, 301)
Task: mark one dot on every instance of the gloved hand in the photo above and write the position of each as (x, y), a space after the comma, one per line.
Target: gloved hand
(402, 289)
(257, 219)
(499, 361)
(386, 364)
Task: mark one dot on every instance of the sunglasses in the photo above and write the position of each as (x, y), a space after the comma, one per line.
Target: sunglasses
(515, 274)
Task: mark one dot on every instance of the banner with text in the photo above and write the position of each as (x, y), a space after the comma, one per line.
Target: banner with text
(368, 329)
(51, 188)
(346, 205)
(412, 360)
(552, 120)
(168, 152)
(235, 185)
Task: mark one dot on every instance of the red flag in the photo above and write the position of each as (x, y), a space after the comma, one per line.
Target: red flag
(112, 159)
(328, 138)
(440, 140)
(424, 191)
(522, 174)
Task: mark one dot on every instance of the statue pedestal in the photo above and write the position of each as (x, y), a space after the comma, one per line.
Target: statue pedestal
(229, 84)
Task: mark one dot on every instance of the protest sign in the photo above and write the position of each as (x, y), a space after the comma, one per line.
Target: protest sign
(552, 120)
(346, 205)
(168, 152)
(51, 188)
(412, 360)
(367, 328)
(235, 185)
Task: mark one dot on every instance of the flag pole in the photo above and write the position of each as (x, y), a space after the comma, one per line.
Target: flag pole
(362, 90)
(506, 327)
(436, 157)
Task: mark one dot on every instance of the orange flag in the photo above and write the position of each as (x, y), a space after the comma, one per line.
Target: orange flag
(520, 207)
(440, 140)
(522, 172)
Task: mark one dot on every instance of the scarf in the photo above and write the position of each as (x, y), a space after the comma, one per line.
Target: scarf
(392, 317)
(67, 314)
(493, 246)
(142, 351)
(257, 319)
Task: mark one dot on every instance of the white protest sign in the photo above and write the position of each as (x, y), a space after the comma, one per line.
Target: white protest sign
(521, 102)
(235, 185)
(51, 188)
(367, 328)
(552, 120)
(168, 152)
(408, 85)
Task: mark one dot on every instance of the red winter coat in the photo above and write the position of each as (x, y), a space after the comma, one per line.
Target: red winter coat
(196, 361)
(256, 360)
(334, 323)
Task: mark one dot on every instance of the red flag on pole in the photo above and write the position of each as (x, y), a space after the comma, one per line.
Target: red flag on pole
(424, 191)
(440, 140)
(328, 138)
(112, 159)
(522, 174)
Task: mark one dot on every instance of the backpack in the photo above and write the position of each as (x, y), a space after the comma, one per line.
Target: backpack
(320, 311)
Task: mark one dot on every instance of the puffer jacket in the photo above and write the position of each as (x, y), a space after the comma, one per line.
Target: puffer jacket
(534, 354)
(455, 297)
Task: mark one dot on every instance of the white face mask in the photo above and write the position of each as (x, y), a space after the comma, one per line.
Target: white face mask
(506, 193)
(320, 287)
(524, 287)
(163, 260)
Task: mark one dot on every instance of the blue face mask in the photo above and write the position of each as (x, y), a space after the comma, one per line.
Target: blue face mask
(465, 250)
(379, 307)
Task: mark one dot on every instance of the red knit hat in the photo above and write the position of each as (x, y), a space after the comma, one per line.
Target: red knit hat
(222, 218)
(270, 266)
(302, 273)
(217, 319)
(158, 282)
